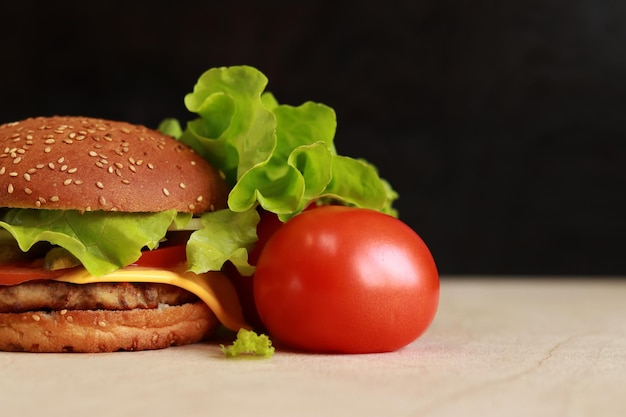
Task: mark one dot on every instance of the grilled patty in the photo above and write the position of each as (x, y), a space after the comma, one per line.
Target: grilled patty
(56, 295)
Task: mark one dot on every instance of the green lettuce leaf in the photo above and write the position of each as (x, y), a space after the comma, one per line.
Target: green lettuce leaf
(235, 130)
(102, 241)
(225, 236)
(277, 156)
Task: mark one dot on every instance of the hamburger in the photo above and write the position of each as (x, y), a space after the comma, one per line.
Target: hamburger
(93, 217)
(117, 237)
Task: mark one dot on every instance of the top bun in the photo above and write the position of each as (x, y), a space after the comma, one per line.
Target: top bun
(85, 164)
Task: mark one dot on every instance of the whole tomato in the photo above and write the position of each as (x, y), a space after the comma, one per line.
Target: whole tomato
(347, 280)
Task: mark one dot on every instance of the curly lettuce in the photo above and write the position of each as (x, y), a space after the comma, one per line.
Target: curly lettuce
(278, 156)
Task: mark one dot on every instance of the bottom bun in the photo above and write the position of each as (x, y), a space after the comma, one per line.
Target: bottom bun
(106, 330)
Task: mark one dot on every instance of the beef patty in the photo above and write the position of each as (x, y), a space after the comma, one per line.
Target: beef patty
(57, 295)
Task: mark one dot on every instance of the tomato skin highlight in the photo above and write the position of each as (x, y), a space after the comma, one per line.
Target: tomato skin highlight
(346, 280)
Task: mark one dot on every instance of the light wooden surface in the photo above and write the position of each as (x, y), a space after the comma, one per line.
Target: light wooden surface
(498, 347)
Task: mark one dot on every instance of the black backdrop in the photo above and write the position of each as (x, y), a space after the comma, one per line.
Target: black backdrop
(501, 125)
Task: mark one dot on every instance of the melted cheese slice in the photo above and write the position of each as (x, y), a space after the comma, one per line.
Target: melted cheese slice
(214, 288)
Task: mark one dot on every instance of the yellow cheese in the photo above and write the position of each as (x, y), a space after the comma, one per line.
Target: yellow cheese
(214, 288)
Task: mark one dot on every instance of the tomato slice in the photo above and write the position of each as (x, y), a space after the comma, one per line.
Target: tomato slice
(164, 257)
(17, 274)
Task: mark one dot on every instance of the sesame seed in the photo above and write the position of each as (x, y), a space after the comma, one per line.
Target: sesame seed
(119, 165)
(2, 170)
(54, 198)
(72, 170)
(67, 181)
(27, 176)
(93, 153)
(49, 141)
(199, 198)
(166, 191)
(150, 165)
(102, 200)
(125, 130)
(132, 168)
(37, 203)
(32, 171)
(36, 317)
(192, 206)
(17, 160)
(182, 185)
(193, 163)
(102, 324)
(61, 159)
(99, 185)
(63, 312)
(10, 188)
(125, 182)
(28, 191)
(13, 174)
(131, 160)
(69, 319)
(47, 149)
(51, 165)
(39, 166)
(79, 182)
(99, 164)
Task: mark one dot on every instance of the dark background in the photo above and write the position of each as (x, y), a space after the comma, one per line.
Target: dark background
(501, 125)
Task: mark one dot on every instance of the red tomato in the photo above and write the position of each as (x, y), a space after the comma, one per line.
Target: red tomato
(340, 279)
(167, 256)
(16, 274)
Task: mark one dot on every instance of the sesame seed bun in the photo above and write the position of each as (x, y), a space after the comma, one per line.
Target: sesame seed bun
(85, 164)
(91, 331)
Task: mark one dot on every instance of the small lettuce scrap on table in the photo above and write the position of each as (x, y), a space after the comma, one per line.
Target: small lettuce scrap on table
(276, 156)
(248, 343)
